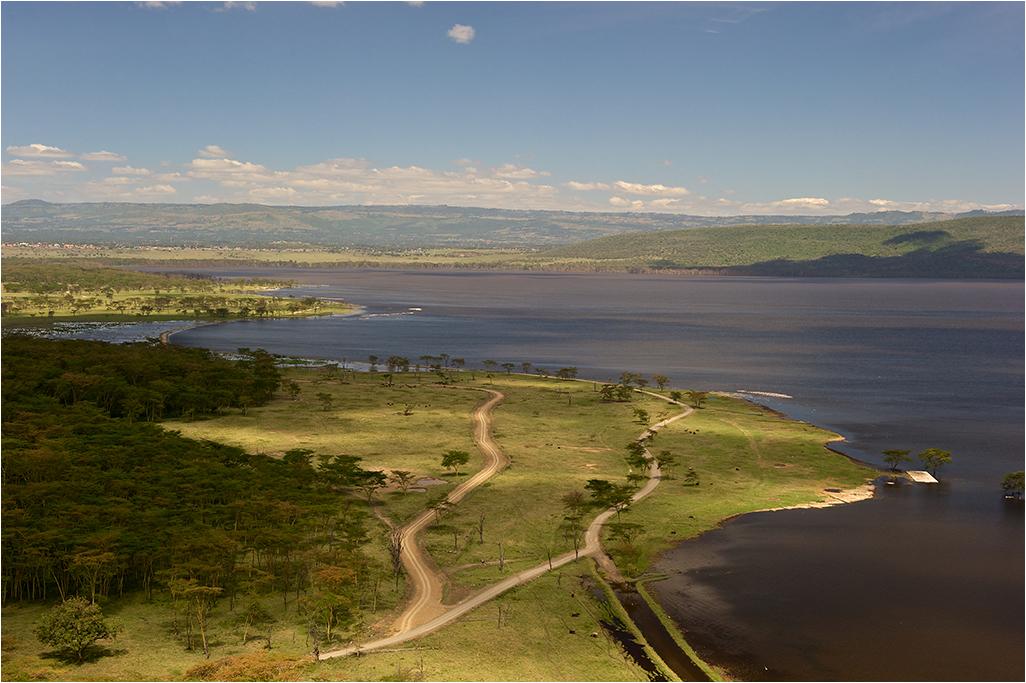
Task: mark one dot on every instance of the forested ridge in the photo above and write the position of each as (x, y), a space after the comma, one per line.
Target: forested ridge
(98, 500)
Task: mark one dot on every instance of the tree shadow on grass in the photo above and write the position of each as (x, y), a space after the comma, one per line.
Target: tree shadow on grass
(91, 655)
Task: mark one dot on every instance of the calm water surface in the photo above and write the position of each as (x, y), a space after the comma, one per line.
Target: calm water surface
(921, 583)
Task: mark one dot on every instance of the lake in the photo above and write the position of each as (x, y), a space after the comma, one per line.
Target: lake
(924, 582)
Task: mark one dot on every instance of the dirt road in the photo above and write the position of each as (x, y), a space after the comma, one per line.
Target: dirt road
(425, 612)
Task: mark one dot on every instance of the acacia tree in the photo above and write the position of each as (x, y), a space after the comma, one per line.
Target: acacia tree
(402, 478)
(74, 625)
(454, 460)
(697, 398)
(667, 462)
(573, 506)
(894, 458)
(934, 458)
(1013, 484)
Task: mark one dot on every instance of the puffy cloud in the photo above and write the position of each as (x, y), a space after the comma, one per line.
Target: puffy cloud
(128, 170)
(585, 187)
(157, 4)
(517, 171)
(336, 167)
(37, 151)
(801, 203)
(214, 152)
(661, 190)
(626, 203)
(102, 156)
(461, 34)
(41, 168)
(273, 193)
(230, 172)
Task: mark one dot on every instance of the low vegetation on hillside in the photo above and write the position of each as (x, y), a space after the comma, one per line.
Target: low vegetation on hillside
(179, 225)
(971, 247)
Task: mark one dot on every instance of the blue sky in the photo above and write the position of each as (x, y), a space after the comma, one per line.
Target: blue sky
(700, 108)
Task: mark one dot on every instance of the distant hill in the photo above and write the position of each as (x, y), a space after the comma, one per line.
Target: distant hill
(368, 226)
(981, 247)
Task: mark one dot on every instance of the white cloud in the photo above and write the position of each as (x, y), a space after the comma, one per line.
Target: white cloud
(464, 162)
(214, 152)
(663, 190)
(230, 172)
(461, 34)
(273, 193)
(157, 4)
(665, 162)
(102, 156)
(40, 168)
(336, 167)
(517, 171)
(128, 170)
(585, 187)
(170, 178)
(37, 151)
(633, 204)
(228, 6)
(326, 3)
(801, 203)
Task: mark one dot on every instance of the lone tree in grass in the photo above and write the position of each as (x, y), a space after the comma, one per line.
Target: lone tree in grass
(454, 460)
(326, 400)
(403, 479)
(75, 625)
(697, 398)
(894, 458)
(933, 458)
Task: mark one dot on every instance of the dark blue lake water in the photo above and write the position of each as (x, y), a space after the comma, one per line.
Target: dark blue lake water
(921, 583)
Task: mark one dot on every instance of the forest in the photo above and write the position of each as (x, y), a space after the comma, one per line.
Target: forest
(98, 500)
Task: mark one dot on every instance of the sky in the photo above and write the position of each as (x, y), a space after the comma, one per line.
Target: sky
(708, 108)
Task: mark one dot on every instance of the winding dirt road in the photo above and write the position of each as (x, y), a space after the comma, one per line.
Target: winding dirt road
(426, 613)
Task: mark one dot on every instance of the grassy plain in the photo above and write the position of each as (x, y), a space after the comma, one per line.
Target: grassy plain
(557, 434)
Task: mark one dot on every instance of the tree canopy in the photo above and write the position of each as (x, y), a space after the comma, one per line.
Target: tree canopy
(74, 625)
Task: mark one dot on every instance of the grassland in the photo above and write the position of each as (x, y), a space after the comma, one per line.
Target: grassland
(557, 435)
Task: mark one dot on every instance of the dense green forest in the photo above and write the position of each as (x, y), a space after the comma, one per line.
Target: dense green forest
(98, 500)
